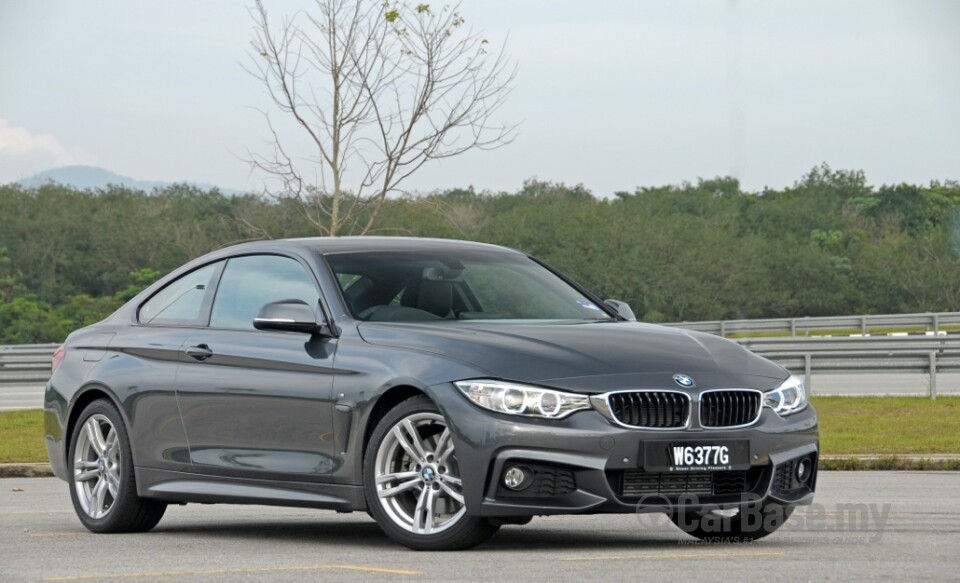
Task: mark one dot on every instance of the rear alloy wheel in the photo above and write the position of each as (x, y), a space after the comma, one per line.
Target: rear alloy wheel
(102, 483)
(412, 481)
(96, 466)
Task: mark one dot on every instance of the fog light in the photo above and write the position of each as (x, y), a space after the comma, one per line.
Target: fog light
(803, 470)
(515, 478)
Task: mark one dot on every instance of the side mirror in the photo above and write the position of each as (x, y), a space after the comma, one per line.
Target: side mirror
(288, 316)
(623, 310)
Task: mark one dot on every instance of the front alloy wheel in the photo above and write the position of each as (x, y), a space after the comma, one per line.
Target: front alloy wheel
(412, 481)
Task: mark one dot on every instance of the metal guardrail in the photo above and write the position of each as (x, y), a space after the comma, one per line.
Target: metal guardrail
(922, 354)
(25, 363)
(24, 369)
(933, 322)
(30, 364)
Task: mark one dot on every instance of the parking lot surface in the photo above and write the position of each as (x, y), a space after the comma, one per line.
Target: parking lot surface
(864, 525)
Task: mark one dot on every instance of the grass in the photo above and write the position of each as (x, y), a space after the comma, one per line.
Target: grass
(888, 426)
(21, 437)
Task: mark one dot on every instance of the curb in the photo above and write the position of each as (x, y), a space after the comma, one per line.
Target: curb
(933, 457)
(41, 470)
(877, 462)
(849, 462)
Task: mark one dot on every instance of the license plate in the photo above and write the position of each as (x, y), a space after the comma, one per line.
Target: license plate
(687, 456)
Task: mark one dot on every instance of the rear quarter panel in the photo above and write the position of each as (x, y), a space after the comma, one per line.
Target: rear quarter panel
(135, 368)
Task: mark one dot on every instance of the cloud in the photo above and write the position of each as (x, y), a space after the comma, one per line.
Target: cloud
(28, 149)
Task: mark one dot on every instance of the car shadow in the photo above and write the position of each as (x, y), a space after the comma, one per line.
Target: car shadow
(360, 532)
(363, 532)
(531, 538)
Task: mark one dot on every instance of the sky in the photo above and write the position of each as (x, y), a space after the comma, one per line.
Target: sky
(613, 95)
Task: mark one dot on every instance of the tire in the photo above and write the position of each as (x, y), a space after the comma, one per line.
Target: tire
(102, 483)
(752, 522)
(412, 485)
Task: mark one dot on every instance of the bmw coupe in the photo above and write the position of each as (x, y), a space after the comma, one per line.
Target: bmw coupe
(444, 387)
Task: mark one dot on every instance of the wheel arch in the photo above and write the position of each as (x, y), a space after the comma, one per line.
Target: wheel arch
(384, 403)
(83, 397)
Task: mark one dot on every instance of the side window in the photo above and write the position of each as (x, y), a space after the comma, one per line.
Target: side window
(249, 283)
(181, 302)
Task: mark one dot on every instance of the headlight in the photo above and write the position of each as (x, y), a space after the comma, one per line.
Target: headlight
(524, 400)
(788, 398)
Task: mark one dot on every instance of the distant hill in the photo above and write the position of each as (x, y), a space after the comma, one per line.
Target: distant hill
(83, 177)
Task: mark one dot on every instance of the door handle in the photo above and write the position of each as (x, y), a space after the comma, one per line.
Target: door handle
(199, 352)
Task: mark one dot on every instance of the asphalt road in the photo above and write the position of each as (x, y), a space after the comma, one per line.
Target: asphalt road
(14, 397)
(884, 383)
(902, 526)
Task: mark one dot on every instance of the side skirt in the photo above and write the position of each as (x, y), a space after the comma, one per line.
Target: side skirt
(174, 486)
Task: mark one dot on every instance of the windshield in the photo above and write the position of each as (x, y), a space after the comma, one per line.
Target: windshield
(423, 286)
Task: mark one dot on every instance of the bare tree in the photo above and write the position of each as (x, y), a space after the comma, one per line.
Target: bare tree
(377, 89)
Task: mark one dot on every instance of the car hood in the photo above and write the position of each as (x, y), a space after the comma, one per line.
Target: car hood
(606, 354)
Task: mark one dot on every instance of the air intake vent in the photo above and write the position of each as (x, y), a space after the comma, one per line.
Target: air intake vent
(636, 483)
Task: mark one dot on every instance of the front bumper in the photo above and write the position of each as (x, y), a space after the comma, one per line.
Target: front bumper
(588, 465)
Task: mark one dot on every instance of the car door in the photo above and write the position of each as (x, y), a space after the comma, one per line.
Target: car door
(143, 365)
(258, 403)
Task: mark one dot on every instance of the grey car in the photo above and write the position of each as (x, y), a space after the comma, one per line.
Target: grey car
(444, 387)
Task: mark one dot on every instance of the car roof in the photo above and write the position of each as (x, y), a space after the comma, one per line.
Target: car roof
(329, 245)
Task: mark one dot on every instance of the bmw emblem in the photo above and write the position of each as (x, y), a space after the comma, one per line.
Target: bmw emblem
(427, 474)
(683, 380)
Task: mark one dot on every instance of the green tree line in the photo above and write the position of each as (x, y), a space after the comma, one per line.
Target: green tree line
(831, 244)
